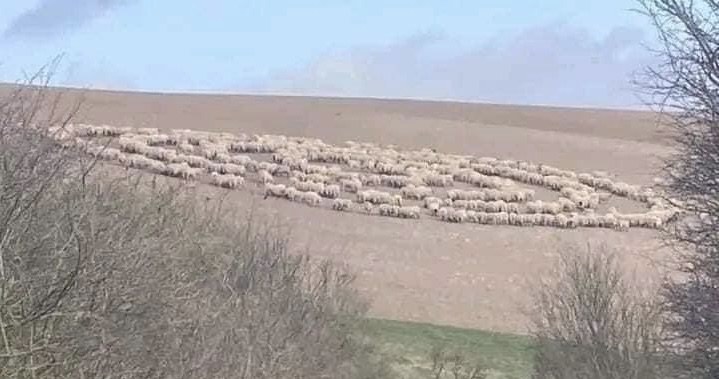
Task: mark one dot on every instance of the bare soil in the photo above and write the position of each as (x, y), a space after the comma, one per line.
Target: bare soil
(466, 275)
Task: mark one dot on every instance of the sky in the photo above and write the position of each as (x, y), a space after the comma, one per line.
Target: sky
(550, 52)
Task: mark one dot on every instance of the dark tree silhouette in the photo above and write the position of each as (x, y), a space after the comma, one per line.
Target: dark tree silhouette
(685, 87)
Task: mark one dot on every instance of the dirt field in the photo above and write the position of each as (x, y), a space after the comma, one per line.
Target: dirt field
(465, 275)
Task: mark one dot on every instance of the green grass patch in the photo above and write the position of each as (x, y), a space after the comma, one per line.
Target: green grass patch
(407, 347)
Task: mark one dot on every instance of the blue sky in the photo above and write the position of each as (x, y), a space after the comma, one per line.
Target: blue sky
(564, 52)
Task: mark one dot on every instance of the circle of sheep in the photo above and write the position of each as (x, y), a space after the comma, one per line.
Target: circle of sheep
(379, 180)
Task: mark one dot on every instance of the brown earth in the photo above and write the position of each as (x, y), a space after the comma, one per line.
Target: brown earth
(465, 275)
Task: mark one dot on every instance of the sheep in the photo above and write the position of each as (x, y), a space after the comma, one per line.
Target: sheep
(134, 161)
(159, 153)
(351, 185)
(317, 178)
(341, 204)
(622, 225)
(239, 159)
(274, 190)
(379, 197)
(185, 148)
(222, 158)
(456, 194)
(399, 181)
(229, 168)
(566, 205)
(580, 198)
(196, 161)
(438, 180)
(156, 167)
(432, 204)
(543, 207)
(367, 207)
(211, 151)
(452, 215)
(347, 175)
(388, 210)
(295, 163)
(396, 200)
(108, 153)
(131, 145)
(409, 212)
(388, 168)
(307, 186)
(293, 194)
(226, 181)
(508, 195)
(431, 200)
(491, 206)
(248, 147)
(415, 192)
(265, 177)
(371, 180)
(282, 170)
(143, 163)
(177, 170)
(331, 191)
(561, 221)
(157, 139)
(312, 198)
(499, 218)
(267, 166)
(175, 139)
(471, 176)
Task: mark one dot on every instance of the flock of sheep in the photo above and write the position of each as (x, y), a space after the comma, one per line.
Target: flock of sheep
(374, 179)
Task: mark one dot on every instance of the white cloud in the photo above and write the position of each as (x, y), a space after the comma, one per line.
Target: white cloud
(552, 64)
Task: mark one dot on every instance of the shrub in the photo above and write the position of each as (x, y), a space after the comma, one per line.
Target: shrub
(589, 322)
(109, 274)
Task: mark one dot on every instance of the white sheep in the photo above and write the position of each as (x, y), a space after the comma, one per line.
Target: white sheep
(388, 210)
(330, 191)
(239, 159)
(540, 206)
(415, 192)
(567, 205)
(379, 197)
(452, 215)
(371, 180)
(307, 186)
(159, 153)
(312, 198)
(265, 177)
(351, 185)
(176, 170)
(341, 204)
(274, 190)
(409, 212)
(367, 207)
(131, 145)
(196, 161)
(438, 180)
(185, 148)
(227, 181)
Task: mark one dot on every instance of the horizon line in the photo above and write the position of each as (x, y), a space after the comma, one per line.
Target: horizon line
(215, 92)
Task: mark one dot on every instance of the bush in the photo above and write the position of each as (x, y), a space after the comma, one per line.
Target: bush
(103, 275)
(589, 322)
(455, 364)
(683, 86)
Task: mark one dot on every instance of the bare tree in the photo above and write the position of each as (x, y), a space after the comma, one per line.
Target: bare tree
(105, 276)
(590, 322)
(685, 87)
(455, 365)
